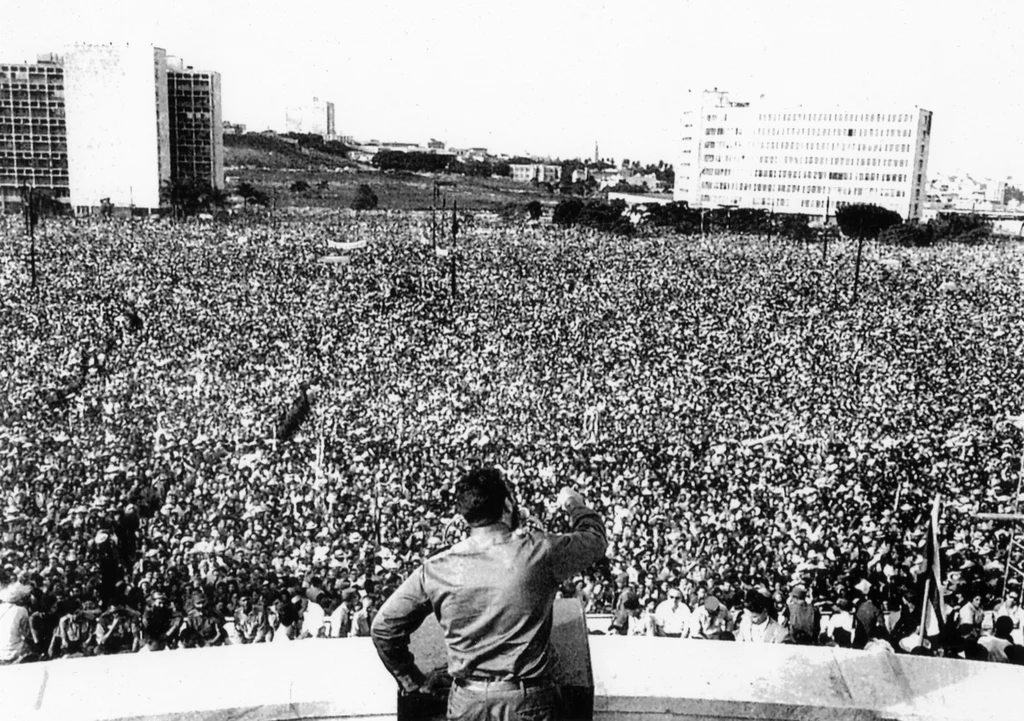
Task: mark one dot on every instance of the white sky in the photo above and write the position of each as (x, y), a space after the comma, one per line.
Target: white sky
(552, 77)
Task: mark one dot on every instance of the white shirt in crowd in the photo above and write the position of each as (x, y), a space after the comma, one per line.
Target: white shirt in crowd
(14, 631)
(312, 619)
(672, 617)
(841, 620)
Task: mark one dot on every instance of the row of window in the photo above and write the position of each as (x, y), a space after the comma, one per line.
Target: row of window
(41, 152)
(804, 189)
(49, 103)
(838, 117)
(813, 160)
(33, 137)
(53, 84)
(840, 132)
(820, 175)
(849, 147)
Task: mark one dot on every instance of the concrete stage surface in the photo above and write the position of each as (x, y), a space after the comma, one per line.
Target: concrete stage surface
(633, 678)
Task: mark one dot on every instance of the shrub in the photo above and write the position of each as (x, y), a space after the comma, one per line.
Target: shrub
(534, 209)
(912, 235)
(299, 186)
(960, 228)
(865, 221)
(567, 212)
(365, 198)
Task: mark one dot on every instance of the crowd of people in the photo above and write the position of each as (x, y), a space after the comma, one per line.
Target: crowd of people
(208, 436)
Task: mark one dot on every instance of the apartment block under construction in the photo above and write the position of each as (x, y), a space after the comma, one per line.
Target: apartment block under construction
(108, 124)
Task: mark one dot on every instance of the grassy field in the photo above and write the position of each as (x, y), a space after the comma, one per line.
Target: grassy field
(273, 166)
(396, 191)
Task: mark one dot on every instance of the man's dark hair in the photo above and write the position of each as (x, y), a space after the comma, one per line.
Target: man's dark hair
(1003, 627)
(480, 496)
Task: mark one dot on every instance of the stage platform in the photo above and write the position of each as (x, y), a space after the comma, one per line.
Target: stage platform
(631, 678)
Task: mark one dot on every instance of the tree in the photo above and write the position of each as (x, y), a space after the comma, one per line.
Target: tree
(299, 186)
(365, 198)
(914, 235)
(960, 228)
(191, 196)
(865, 221)
(412, 162)
(251, 194)
(567, 212)
(534, 209)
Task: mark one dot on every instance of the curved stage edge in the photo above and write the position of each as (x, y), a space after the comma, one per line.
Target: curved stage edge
(613, 678)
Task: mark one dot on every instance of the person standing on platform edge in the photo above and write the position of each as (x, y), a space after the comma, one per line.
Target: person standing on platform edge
(493, 594)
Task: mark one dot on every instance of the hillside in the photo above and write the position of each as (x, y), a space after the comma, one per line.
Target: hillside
(259, 151)
(273, 165)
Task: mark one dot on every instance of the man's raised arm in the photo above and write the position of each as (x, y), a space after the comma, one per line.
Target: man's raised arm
(585, 544)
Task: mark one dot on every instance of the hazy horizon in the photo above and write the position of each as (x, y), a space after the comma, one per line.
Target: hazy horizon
(553, 78)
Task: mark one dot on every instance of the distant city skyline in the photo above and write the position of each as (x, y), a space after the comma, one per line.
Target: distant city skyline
(553, 78)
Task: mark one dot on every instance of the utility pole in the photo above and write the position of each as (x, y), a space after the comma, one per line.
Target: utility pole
(28, 198)
(455, 233)
(433, 219)
(856, 266)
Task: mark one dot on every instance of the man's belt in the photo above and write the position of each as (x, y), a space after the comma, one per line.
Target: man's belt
(476, 683)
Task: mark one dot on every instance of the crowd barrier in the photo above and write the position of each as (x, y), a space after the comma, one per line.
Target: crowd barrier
(626, 678)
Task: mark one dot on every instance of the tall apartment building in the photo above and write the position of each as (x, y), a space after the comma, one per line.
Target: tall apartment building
(107, 123)
(315, 118)
(119, 146)
(196, 125)
(33, 134)
(802, 159)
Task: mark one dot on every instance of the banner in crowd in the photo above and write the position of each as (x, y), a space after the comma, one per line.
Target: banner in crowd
(354, 245)
(336, 259)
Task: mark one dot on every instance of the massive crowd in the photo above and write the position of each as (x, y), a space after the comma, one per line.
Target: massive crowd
(209, 436)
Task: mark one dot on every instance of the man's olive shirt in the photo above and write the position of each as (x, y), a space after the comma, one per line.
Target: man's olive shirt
(492, 594)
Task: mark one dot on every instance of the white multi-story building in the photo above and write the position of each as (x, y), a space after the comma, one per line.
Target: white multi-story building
(315, 118)
(118, 124)
(541, 172)
(802, 159)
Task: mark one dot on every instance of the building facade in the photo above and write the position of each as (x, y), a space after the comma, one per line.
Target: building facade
(315, 118)
(541, 172)
(107, 123)
(33, 133)
(196, 124)
(964, 192)
(119, 147)
(802, 159)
